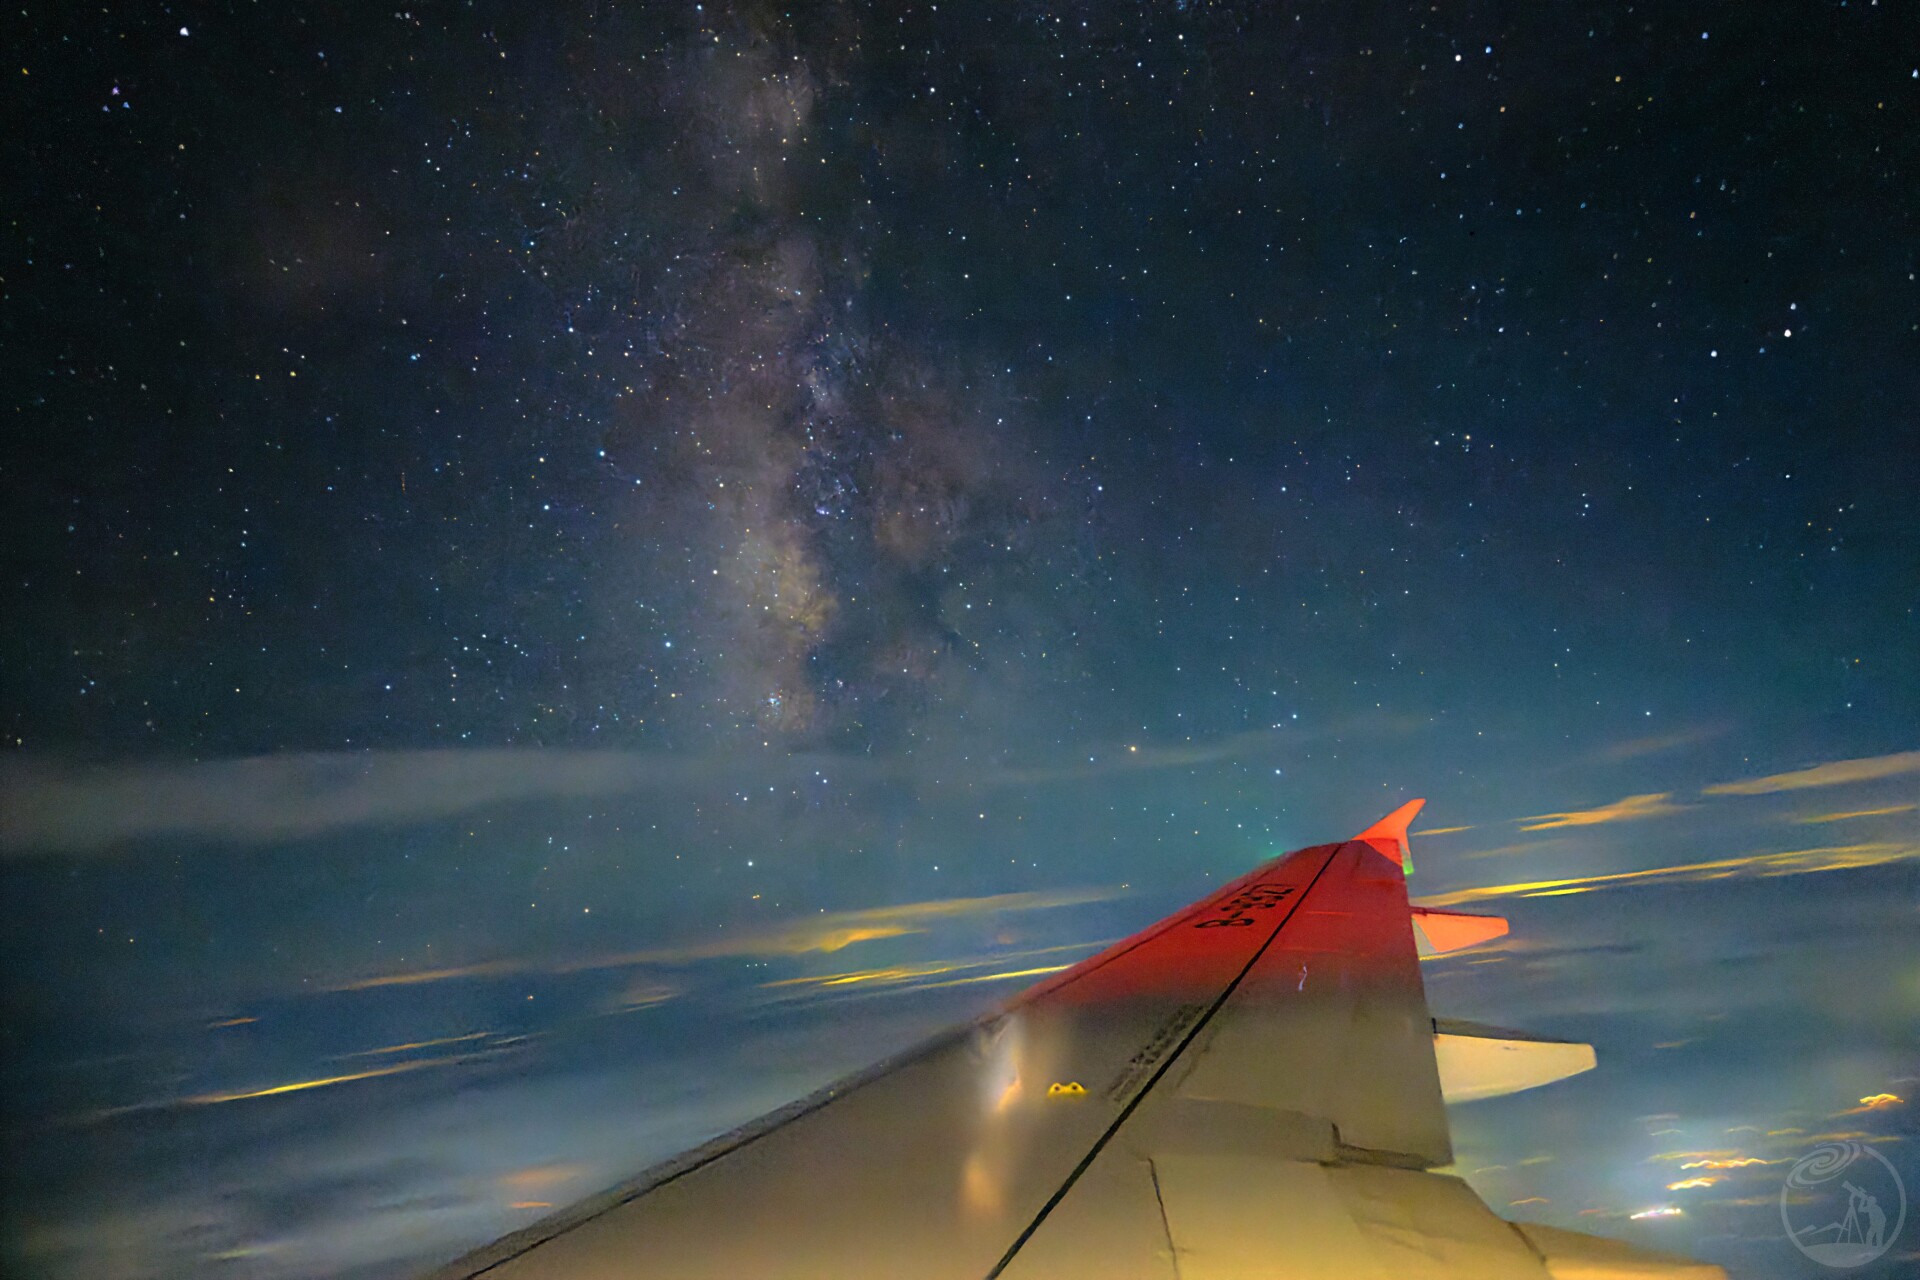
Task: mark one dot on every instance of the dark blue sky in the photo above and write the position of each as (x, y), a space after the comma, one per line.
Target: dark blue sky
(598, 509)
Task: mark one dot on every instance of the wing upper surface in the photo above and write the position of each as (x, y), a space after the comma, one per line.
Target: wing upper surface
(1266, 1051)
(935, 1165)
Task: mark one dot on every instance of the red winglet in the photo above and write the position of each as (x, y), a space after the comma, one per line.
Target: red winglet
(1389, 835)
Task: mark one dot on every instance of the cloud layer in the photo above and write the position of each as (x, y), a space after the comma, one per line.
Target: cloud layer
(290, 797)
(1623, 810)
(1834, 774)
(1790, 862)
(827, 932)
(48, 807)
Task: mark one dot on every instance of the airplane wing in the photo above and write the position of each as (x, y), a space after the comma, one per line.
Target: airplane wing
(1252, 1087)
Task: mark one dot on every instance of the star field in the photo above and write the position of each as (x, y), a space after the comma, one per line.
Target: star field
(493, 490)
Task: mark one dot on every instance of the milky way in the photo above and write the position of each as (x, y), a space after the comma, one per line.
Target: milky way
(574, 570)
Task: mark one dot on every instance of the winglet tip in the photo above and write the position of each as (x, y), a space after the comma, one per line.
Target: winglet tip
(1394, 825)
(1389, 835)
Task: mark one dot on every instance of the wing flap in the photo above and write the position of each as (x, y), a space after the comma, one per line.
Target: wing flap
(1239, 1217)
(1573, 1255)
(1440, 932)
(1479, 1062)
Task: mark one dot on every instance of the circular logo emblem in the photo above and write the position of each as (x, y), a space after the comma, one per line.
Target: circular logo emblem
(1843, 1205)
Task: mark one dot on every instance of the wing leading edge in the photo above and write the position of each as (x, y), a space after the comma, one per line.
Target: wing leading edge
(1249, 1087)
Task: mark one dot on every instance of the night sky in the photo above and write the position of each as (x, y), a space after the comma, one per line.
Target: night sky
(573, 571)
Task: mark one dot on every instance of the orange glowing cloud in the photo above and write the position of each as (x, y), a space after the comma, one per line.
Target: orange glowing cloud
(1791, 862)
(827, 933)
(416, 1044)
(933, 973)
(1738, 1162)
(1850, 814)
(1627, 809)
(1834, 774)
(297, 1086)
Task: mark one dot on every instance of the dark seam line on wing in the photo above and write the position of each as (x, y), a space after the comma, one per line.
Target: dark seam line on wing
(1100, 1145)
(1173, 1250)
